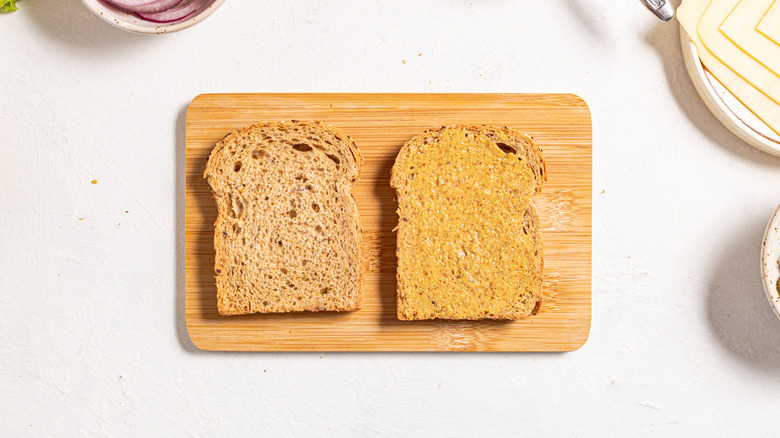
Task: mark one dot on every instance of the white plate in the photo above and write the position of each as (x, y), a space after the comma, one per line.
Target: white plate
(770, 261)
(725, 106)
(133, 23)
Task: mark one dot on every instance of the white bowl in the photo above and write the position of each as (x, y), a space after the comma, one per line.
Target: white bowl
(770, 261)
(725, 106)
(133, 23)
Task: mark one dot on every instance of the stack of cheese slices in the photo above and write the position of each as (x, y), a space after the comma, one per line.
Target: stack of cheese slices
(738, 41)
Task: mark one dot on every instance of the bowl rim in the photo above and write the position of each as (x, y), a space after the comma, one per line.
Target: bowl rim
(97, 8)
(770, 256)
(716, 105)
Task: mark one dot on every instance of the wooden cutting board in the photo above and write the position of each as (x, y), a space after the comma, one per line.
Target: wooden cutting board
(380, 124)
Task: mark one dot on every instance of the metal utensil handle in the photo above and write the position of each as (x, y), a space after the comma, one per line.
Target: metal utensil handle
(661, 8)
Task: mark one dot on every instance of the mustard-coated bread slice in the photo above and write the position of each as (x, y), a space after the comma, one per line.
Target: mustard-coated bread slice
(287, 237)
(469, 245)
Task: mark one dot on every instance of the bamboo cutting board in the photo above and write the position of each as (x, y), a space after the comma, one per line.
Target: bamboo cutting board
(380, 124)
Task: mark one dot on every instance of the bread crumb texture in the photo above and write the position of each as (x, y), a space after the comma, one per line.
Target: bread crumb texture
(468, 233)
(287, 235)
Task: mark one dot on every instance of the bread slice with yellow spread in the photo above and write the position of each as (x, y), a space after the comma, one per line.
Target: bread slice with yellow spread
(469, 244)
(287, 237)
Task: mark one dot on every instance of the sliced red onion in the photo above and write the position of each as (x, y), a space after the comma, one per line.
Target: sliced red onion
(180, 12)
(148, 7)
(129, 4)
(157, 6)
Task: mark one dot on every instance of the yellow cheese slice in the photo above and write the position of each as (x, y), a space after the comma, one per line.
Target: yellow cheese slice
(689, 14)
(770, 24)
(740, 28)
(731, 55)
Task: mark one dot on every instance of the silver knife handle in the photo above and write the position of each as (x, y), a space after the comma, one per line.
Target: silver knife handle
(662, 8)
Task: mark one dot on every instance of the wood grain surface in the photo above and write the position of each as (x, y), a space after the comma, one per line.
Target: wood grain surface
(380, 124)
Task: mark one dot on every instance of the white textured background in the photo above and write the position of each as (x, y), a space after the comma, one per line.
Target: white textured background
(92, 336)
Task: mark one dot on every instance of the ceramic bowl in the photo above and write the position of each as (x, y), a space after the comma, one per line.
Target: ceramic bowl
(725, 106)
(770, 261)
(133, 23)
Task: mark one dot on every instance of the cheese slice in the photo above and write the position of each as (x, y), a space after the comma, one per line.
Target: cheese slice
(740, 28)
(689, 14)
(770, 24)
(731, 55)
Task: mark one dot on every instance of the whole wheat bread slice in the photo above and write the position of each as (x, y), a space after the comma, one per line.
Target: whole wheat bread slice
(469, 244)
(287, 236)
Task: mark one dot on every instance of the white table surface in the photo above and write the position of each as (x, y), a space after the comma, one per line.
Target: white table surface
(92, 334)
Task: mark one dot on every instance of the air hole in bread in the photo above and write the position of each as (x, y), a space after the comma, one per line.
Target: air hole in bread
(292, 213)
(237, 206)
(302, 147)
(301, 178)
(315, 207)
(284, 271)
(309, 187)
(304, 262)
(506, 148)
(237, 166)
(258, 154)
(334, 158)
(325, 290)
(318, 229)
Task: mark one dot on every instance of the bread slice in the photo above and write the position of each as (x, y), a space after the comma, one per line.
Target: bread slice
(469, 245)
(287, 237)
